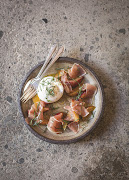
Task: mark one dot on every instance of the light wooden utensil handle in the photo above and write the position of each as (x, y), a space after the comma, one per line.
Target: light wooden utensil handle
(51, 52)
(61, 50)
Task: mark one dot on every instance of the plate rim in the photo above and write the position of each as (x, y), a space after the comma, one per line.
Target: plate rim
(73, 140)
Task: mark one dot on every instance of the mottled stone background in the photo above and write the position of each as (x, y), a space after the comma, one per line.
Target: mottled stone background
(95, 32)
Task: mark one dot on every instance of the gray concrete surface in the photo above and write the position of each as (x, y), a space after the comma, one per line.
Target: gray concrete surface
(95, 32)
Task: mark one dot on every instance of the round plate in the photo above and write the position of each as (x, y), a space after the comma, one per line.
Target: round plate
(85, 126)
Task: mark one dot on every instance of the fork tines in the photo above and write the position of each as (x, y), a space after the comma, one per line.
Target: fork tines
(28, 93)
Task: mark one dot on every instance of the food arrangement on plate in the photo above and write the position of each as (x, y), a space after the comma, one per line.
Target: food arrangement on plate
(66, 82)
(61, 99)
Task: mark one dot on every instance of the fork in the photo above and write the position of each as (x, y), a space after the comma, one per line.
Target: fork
(31, 90)
(29, 85)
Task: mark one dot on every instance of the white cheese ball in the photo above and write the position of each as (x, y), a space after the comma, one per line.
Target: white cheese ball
(50, 89)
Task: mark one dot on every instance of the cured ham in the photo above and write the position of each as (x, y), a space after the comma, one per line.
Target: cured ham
(75, 103)
(88, 91)
(55, 123)
(71, 115)
(75, 109)
(67, 87)
(72, 82)
(69, 84)
(31, 113)
(79, 108)
(68, 108)
(76, 82)
(66, 84)
(59, 116)
(35, 114)
(76, 71)
(76, 90)
(74, 126)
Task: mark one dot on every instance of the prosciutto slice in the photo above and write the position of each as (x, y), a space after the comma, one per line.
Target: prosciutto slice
(55, 124)
(66, 84)
(59, 116)
(75, 103)
(68, 108)
(79, 108)
(74, 126)
(89, 91)
(75, 109)
(67, 87)
(76, 71)
(71, 115)
(76, 82)
(31, 113)
(70, 83)
(36, 113)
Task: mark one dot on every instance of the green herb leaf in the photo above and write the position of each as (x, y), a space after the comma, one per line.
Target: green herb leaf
(31, 122)
(50, 90)
(58, 77)
(53, 78)
(65, 123)
(35, 123)
(93, 113)
(79, 93)
(38, 106)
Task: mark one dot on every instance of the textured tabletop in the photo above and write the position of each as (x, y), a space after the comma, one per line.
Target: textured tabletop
(95, 32)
